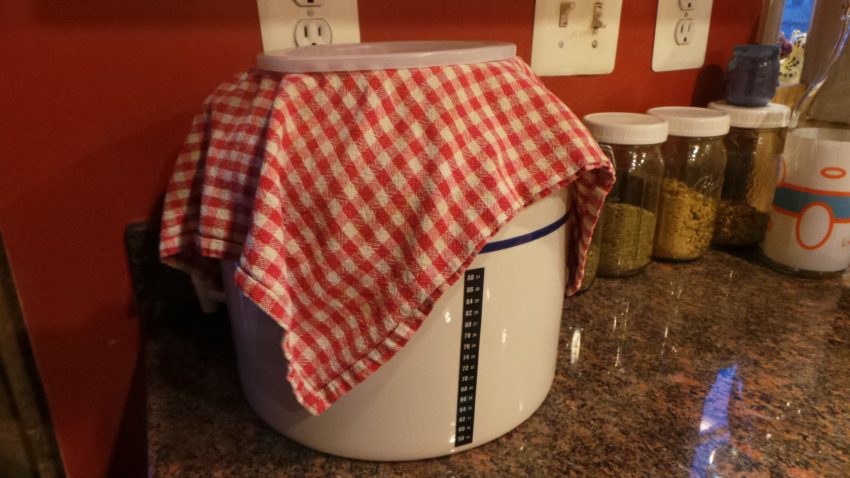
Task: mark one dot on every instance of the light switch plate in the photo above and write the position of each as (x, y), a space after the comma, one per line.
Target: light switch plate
(681, 34)
(576, 48)
(278, 20)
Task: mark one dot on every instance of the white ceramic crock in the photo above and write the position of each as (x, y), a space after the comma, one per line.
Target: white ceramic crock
(407, 409)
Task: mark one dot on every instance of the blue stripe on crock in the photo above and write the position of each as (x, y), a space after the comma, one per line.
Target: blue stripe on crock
(525, 238)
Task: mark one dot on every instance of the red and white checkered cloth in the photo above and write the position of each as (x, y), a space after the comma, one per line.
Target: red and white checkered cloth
(353, 200)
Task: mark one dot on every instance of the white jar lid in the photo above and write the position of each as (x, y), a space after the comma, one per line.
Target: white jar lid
(771, 116)
(692, 122)
(626, 128)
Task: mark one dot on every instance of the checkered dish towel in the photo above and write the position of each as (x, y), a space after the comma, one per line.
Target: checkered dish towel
(353, 200)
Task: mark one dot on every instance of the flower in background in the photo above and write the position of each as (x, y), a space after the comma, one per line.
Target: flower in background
(791, 65)
(785, 46)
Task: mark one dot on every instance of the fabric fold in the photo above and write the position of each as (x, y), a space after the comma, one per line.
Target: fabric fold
(353, 200)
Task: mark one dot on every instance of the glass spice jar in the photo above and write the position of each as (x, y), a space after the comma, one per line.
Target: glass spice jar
(695, 159)
(753, 148)
(633, 142)
(591, 264)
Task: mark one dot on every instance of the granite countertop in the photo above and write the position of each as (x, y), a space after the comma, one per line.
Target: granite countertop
(713, 368)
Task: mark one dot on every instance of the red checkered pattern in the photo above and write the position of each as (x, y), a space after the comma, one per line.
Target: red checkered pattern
(353, 200)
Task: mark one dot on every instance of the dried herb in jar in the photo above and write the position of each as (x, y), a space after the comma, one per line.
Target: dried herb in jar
(685, 222)
(748, 185)
(739, 224)
(627, 236)
(762, 176)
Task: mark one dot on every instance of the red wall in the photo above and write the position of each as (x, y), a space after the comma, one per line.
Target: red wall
(96, 96)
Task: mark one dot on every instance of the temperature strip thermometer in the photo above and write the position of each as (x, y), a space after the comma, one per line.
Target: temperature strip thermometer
(473, 287)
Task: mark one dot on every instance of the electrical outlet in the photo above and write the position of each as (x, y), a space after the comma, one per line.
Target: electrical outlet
(681, 34)
(575, 37)
(684, 31)
(314, 31)
(291, 23)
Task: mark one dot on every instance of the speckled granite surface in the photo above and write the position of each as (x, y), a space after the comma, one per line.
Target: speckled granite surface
(713, 368)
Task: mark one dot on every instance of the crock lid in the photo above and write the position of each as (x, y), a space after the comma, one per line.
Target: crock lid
(383, 56)
(626, 128)
(692, 122)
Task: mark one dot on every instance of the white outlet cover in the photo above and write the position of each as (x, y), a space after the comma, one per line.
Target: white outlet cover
(576, 49)
(667, 53)
(279, 17)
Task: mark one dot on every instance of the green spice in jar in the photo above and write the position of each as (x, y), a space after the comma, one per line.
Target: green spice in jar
(627, 239)
(633, 142)
(685, 222)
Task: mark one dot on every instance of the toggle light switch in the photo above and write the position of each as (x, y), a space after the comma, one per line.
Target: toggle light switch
(564, 16)
(577, 37)
(597, 16)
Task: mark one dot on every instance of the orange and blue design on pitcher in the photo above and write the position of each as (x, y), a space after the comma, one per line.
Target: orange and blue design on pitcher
(826, 208)
(809, 226)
